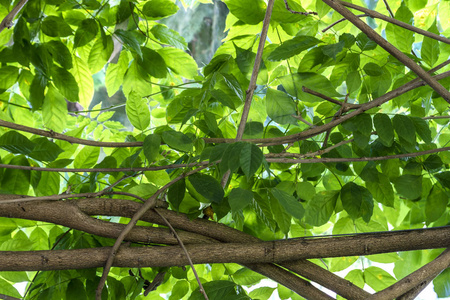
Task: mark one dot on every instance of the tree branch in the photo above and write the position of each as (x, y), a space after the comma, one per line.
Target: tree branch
(408, 62)
(432, 269)
(7, 21)
(377, 15)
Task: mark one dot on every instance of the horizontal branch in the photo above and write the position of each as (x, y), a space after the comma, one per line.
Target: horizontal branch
(377, 15)
(245, 253)
(346, 106)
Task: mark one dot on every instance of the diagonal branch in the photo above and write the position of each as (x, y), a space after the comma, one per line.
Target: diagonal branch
(7, 21)
(432, 269)
(374, 36)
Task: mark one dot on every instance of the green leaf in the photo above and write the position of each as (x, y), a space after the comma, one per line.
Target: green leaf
(65, 83)
(15, 142)
(17, 181)
(282, 15)
(153, 63)
(443, 178)
(55, 27)
(220, 289)
(409, 186)
(180, 62)
(60, 53)
(249, 12)
(378, 279)
(430, 47)
(176, 193)
(239, 198)
(261, 293)
(247, 277)
(293, 47)
(319, 210)
(84, 79)
(442, 284)
(85, 33)
(207, 186)
(168, 36)
(400, 37)
(115, 74)
(87, 157)
(404, 128)
(75, 290)
(364, 43)
(382, 190)
(333, 49)
(180, 289)
(356, 277)
(158, 9)
(129, 39)
(54, 110)
(8, 289)
(99, 54)
(289, 203)
(353, 81)
(137, 111)
(8, 76)
(357, 201)
(436, 204)
(151, 147)
(280, 107)
(177, 140)
(45, 150)
(251, 158)
(422, 129)
(384, 128)
(49, 184)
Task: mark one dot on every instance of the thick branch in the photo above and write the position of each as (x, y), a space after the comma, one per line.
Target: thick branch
(433, 268)
(7, 21)
(242, 253)
(337, 6)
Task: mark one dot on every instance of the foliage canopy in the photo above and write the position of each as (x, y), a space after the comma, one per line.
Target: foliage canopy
(309, 120)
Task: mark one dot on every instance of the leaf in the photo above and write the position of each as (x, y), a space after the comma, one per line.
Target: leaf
(442, 284)
(430, 47)
(168, 36)
(65, 83)
(180, 62)
(293, 47)
(153, 63)
(207, 186)
(158, 9)
(60, 54)
(364, 43)
(443, 178)
(353, 81)
(115, 74)
(398, 36)
(384, 128)
(15, 142)
(220, 289)
(17, 181)
(87, 157)
(372, 69)
(280, 107)
(378, 279)
(239, 198)
(422, 129)
(382, 190)
(290, 204)
(247, 277)
(84, 79)
(409, 186)
(177, 140)
(55, 27)
(44, 150)
(333, 49)
(250, 159)
(85, 33)
(319, 210)
(357, 201)
(404, 128)
(436, 204)
(9, 290)
(137, 111)
(54, 110)
(249, 12)
(99, 54)
(8, 76)
(281, 216)
(151, 147)
(129, 39)
(176, 193)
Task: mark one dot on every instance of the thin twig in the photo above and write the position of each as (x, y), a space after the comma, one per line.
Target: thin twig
(150, 203)
(202, 290)
(298, 12)
(342, 20)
